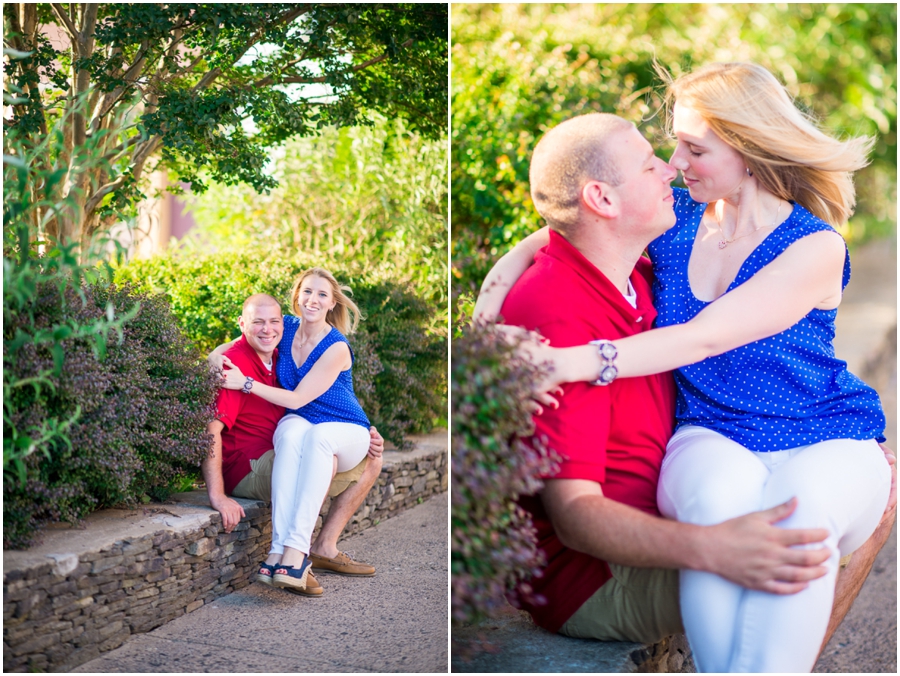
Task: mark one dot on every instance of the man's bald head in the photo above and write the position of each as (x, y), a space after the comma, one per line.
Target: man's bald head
(262, 324)
(579, 150)
(258, 300)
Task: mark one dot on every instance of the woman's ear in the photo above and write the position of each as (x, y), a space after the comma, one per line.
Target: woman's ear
(599, 198)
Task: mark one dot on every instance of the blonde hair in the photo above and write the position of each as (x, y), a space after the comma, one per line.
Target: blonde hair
(568, 156)
(788, 154)
(345, 315)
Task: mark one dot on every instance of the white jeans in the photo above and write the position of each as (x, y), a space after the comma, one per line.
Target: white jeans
(841, 485)
(301, 474)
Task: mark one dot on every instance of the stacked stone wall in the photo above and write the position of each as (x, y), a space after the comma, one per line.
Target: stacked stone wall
(61, 609)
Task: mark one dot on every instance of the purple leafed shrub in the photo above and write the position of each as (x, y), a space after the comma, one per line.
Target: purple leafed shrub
(125, 428)
(493, 547)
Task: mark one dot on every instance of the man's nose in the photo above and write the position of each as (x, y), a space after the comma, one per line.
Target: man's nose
(670, 173)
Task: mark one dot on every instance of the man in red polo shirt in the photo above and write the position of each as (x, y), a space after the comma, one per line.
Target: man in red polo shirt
(612, 560)
(240, 463)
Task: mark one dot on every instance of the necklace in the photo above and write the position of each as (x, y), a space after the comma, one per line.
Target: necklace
(306, 342)
(725, 241)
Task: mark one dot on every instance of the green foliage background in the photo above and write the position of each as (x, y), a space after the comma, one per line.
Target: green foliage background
(520, 69)
(371, 200)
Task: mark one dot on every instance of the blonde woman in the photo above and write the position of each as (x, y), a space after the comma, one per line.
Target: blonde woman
(324, 429)
(747, 286)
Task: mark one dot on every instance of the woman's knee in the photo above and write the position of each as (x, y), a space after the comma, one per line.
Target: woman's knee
(291, 432)
(706, 487)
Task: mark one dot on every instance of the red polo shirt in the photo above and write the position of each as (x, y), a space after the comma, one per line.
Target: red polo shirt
(614, 435)
(250, 421)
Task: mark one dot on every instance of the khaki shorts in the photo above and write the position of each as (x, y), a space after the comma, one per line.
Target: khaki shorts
(258, 484)
(637, 604)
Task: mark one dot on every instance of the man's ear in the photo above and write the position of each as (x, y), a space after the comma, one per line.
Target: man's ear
(599, 198)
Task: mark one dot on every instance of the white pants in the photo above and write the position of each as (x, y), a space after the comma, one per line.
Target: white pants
(841, 485)
(301, 474)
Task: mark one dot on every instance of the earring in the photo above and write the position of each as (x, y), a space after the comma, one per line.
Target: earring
(749, 173)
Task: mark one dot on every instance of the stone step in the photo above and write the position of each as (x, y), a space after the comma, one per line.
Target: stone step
(512, 643)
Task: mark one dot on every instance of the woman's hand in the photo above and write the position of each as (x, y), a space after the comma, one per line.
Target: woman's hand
(215, 358)
(232, 378)
(534, 348)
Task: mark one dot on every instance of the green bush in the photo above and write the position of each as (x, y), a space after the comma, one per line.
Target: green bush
(400, 369)
(519, 70)
(134, 423)
(493, 549)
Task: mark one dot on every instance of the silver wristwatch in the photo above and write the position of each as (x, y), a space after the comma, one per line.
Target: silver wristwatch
(608, 354)
(248, 384)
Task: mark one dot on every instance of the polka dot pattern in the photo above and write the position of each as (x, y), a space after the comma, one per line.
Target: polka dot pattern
(339, 402)
(781, 392)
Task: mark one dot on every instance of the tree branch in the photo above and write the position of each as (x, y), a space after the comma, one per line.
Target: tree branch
(209, 77)
(130, 76)
(89, 19)
(311, 80)
(102, 192)
(60, 13)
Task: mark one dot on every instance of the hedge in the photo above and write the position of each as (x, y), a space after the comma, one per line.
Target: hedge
(400, 368)
(493, 548)
(118, 427)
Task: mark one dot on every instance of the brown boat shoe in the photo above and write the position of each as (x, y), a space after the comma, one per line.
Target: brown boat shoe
(313, 588)
(341, 564)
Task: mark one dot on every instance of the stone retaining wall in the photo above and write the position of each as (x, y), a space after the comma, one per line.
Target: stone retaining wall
(83, 592)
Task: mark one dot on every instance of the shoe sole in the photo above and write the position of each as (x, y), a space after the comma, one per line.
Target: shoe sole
(265, 579)
(304, 592)
(340, 572)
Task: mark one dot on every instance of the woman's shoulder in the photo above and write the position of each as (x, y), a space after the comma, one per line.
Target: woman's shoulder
(290, 321)
(332, 337)
(803, 219)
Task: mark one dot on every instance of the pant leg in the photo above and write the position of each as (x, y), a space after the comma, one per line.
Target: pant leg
(321, 444)
(841, 485)
(706, 479)
(289, 436)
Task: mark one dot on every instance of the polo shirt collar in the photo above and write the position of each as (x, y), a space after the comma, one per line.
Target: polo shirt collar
(261, 369)
(561, 249)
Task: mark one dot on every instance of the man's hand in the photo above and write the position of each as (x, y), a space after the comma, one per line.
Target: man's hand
(754, 553)
(376, 443)
(211, 467)
(230, 510)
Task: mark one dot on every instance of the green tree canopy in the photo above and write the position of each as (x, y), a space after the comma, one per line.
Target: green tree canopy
(208, 88)
(519, 70)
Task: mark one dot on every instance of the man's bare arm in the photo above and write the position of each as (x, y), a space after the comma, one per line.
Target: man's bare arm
(749, 550)
(211, 467)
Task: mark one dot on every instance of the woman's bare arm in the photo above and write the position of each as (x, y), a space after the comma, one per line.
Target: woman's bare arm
(807, 274)
(314, 384)
(214, 358)
(505, 272)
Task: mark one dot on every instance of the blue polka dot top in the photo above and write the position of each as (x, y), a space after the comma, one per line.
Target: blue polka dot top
(339, 402)
(781, 392)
